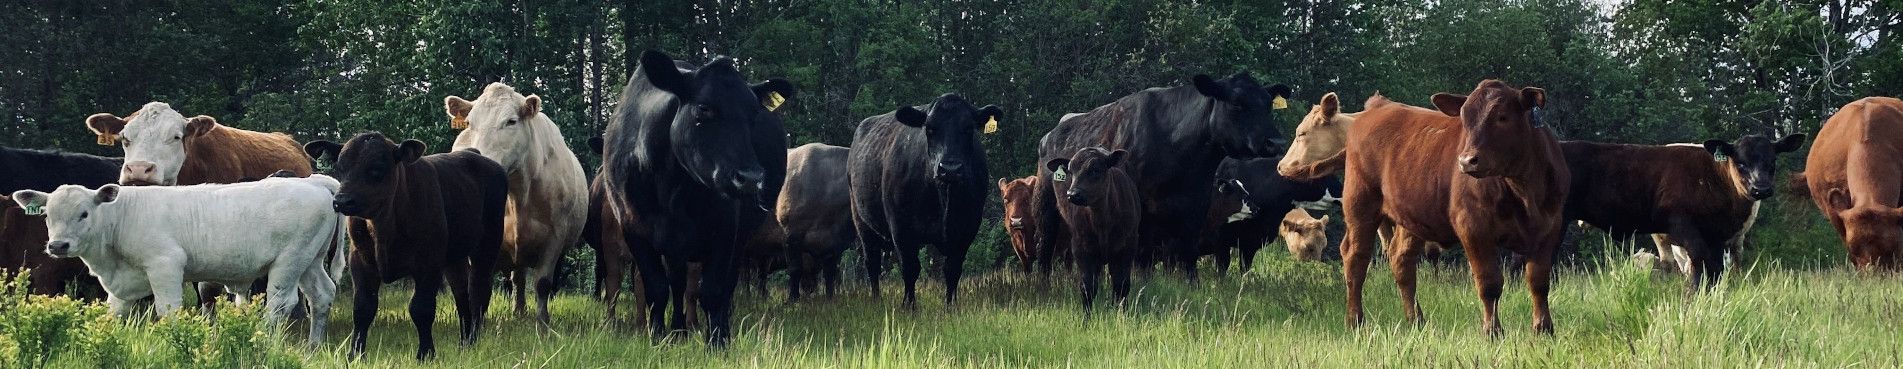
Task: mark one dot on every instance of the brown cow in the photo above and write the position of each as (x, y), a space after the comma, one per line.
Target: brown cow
(23, 245)
(1704, 197)
(1016, 194)
(1857, 181)
(1483, 171)
(815, 210)
(1304, 235)
(1102, 209)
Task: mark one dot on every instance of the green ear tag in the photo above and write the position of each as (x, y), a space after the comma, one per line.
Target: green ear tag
(1059, 175)
(32, 210)
(1720, 157)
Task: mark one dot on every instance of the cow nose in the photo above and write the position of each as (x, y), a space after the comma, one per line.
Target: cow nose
(1469, 163)
(748, 181)
(343, 203)
(58, 248)
(139, 168)
(949, 170)
(1760, 193)
(1075, 197)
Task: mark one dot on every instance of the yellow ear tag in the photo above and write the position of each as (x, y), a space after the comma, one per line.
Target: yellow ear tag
(991, 126)
(107, 139)
(1280, 103)
(773, 100)
(458, 122)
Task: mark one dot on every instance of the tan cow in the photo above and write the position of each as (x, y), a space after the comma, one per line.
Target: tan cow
(1304, 235)
(1317, 148)
(548, 194)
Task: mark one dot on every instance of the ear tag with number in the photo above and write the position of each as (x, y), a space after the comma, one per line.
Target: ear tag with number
(773, 100)
(33, 210)
(991, 125)
(1059, 175)
(1718, 157)
(108, 139)
(1280, 103)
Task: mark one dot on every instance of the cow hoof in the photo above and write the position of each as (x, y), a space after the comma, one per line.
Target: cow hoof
(1544, 328)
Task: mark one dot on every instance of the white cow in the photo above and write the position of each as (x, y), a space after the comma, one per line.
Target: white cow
(548, 192)
(149, 241)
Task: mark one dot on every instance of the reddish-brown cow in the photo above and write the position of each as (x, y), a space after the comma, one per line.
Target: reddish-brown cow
(1017, 216)
(1856, 179)
(1483, 171)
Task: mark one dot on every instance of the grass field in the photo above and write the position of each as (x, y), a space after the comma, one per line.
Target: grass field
(1609, 313)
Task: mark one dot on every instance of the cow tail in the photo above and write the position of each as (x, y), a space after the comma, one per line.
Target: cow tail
(339, 249)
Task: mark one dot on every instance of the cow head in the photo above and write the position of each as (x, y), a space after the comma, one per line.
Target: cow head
(501, 123)
(951, 134)
(72, 216)
(712, 130)
(154, 138)
(1322, 136)
(1872, 233)
(1244, 122)
(1753, 160)
(1304, 235)
(370, 169)
(1017, 207)
(1089, 174)
(1499, 126)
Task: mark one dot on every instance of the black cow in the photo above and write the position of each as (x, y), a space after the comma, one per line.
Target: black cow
(816, 211)
(1268, 196)
(25, 235)
(699, 155)
(422, 217)
(918, 177)
(1176, 137)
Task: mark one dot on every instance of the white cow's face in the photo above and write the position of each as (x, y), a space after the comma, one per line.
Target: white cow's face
(154, 139)
(499, 123)
(71, 216)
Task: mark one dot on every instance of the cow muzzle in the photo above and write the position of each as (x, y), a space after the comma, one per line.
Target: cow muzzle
(346, 205)
(748, 182)
(1760, 193)
(59, 249)
(1472, 165)
(949, 171)
(139, 173)
(1077, 198)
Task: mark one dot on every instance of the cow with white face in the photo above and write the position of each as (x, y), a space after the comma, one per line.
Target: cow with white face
(548, 194)
(148, 241)
(154, 140)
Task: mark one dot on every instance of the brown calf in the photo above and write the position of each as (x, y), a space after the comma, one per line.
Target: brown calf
(1857, 181)
(1482, 171)
(1016, 194)
(1102, 209)
(1304, 235)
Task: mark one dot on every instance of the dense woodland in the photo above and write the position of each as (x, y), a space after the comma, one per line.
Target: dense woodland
(1645, 71)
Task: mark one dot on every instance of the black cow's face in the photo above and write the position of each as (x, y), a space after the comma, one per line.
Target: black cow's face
(1089, 172)
(1246, 123)
(712, 131)
(1753, 160)
(951, 134)
(369, 168)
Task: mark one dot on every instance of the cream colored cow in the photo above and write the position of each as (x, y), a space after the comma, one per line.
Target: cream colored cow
(548, 194)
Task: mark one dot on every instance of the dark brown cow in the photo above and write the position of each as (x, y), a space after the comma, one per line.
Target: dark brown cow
(23, 245)
(1857, 181)
(426, 218)
(815, 210)
(1705, 198)
(1482, 171)
(1102, 209)
(1016, 194)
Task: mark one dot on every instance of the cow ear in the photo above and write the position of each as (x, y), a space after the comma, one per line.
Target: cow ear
(1056, 164)
(1281, 90)
(106, 193)
(409, 151)
(595, 144)
(199, 125)
(1720, 148)
(1836, 197)
(1210, 87)
(1292, 224)
(1331, 105)
(531, 106)
(1790, 143)
(1116, 157)
(29, 199)
(909, 116)
(1449, 103)
(660, 72)
(990, 113)
(321, 149)
(107, 126)
(774, 93)
(1534, 97)
(1323, 221)
(1004, 184)
(458, 110)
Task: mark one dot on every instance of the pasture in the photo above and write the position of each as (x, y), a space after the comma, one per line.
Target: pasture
(1778, 311)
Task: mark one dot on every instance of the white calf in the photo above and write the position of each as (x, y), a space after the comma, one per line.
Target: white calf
(149, 241)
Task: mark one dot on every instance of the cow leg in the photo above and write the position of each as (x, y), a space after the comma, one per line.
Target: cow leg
(909, 269)
(167, 287)
(655, 284)
(281, 291)
(208, 294)
(791, 250)
(1539, 281)
(519, 283)
(1120, 276)
(1050, 227)
(613, 261)
(458, 277)
(320, 291)
(544, 289)
(364, 282)
(831, 274)
(1685, 234)
(874, 258)
(1485, 263)
(1090, 269)
(1247, 252)
(1223, 261)
(1357, 247)
(1404, 260)
(677, 287)
(954, 267)
(718, 278)
(423, 311)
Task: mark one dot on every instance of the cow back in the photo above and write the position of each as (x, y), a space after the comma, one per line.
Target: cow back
(230, 155)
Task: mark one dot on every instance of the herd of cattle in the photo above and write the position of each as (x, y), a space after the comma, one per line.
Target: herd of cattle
(697, 184)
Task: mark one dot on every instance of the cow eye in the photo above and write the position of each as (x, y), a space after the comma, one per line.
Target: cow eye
(705, 113)
(176, 138)
(82, 215)
(511, 121)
